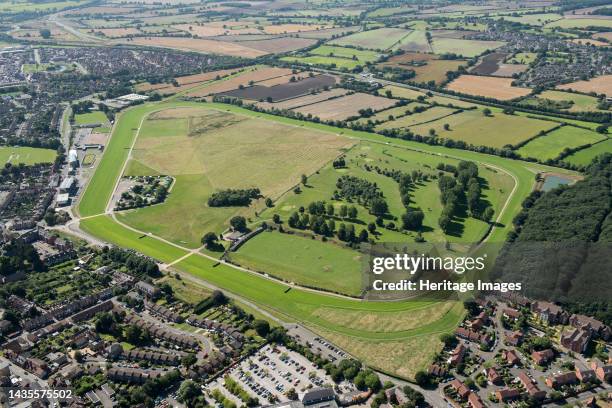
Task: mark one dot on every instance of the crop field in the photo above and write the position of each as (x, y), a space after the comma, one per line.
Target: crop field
(589, 41)
(200, 45)
(473, 127)
(185, 82)
(395, 113)
(287, 90)
(408, 59)
(400, 92)
(292, 28)
(378, 39)
(244, 78)
(304, 100)
(430, 115)
(415, 41)
(26, 155)
(304, 261)
(436, 70)
(118, 32)
(346, 106)
(200, 147)
(599, 85)
(336, 62)
(552, 144)
(212, 29)
(95, 117)
(466, 48)
(508, 70)
(580, 23)
(22, 6)
(343, 52)
(491, 87)
(489, 63)
(534, 19)
(585, 156)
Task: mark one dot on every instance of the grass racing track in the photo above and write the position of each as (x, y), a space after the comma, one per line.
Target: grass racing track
(383, 346)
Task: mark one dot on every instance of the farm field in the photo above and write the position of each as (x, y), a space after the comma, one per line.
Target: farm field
(198, 147)
(429, 115)
(473, 127)
(384, 116)
(304, 100)
(585, 156)
(234, 81)
(466, 48)
(436, 70)
(26, 155)
(287, 90)
(304, 261)
(415, 41)
(343, 52)
(580, 23)
(400, 92)
(579, 102)
(199, 45)
(346, 106)
(552, 144)
(185, 82)
(491, 87)
(378, 39)
(534, 19)
(340, 63)
(599, 85)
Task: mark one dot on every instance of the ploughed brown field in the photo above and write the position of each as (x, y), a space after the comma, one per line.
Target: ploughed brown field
(490, 87)
(229, 84)
(490, 63)
(284, 91)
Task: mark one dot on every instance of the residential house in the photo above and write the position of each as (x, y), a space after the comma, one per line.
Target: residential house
(576, 340)
(550, 313)
(507, 394)
(531, 388)
(457, 355)
(510, 357)
(562, 379)
(543, 357)
(460, 388)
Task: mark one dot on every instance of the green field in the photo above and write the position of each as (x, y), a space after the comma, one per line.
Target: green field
(429, 115)
(579, 102)
(326, 61)
(379, 39)
(580, 23)
(26, 155)
(585, 156)
(533, 19)
(308, 262)
(95, 117)
(466, 48)
(552, 144)
(425, 195)
(396, 112)
(473, 127)
(201, 149)
(343, 52)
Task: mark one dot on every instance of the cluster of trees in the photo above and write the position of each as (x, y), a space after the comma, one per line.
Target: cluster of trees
(368, 194)
(233, 197)
(316, 221)
(138, 265)
(352, 370)
(462, 189)
(235, 388)
(19, 256)
(339, 163)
